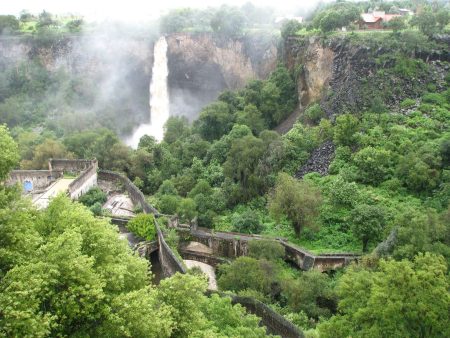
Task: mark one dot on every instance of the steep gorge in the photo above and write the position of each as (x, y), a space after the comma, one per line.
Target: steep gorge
(201, 66)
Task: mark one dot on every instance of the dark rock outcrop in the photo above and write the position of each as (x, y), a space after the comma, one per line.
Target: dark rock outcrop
(319, 161)
(345, 76)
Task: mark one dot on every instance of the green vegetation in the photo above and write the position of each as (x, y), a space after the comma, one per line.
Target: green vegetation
(143, 225)
(386, 195)
(64, 272)
(94, 200)
(225, 21)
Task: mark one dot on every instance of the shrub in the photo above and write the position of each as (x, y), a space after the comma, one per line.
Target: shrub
(314, 113)
(168, 204)
(143, 225)
(248, 222)
(92, 197)
(434, 98)
(408, 103)
(342, 193)
(265, 249)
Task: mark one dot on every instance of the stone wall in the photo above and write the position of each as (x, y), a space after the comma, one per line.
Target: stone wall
(232, 245)
(85, 181)
(170, 264)
(274, 322)
(136, 196)
(39, 179)
(70, 166)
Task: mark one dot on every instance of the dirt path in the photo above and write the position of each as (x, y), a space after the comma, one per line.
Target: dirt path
(60, 185)
(287, 124)
(208, 270)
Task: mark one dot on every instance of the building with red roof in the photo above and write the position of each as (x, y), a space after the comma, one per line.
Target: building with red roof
(375, 20)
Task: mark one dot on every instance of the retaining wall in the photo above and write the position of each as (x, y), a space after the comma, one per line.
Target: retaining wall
(137, 197)
(274, 322)
(85, 181)
(232, 245)
(72, 166)
(170, 264)
(39, 179)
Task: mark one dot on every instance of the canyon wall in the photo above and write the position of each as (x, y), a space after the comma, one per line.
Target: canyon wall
(201, 66)
(346, 75)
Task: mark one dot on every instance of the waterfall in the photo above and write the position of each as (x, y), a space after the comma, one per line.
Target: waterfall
(159, 97)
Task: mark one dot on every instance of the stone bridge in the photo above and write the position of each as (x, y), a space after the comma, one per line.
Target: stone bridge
(232, 245)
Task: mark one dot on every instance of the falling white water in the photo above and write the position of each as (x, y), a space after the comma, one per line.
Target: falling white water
(159, 97)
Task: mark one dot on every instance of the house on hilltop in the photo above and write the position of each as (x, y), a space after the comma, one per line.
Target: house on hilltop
(375, 20)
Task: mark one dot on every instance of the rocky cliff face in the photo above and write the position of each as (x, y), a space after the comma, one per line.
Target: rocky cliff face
(346, 77)
(201, 66)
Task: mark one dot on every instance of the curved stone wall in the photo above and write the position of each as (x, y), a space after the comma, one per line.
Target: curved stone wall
(169, 262)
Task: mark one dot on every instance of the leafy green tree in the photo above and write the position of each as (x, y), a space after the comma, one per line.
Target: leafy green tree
(252, 118)
(374, 164)
(310, 293)
(228, 21)
(176, 127)
(430, 22)
(187, 209)
(167, 188)
(369, 305)
(314, 113)
(8, 24)
(244, 273)
(75, 26)
(345, 130)
(343, 193)
(299, 201)
(421, 231)
(367, 223)
(19, 238)
(266, 249)
(396, 24)
(168, 204)
(248, 222)
(9, 156)
(143, 225)
(289, 28)
(94, 195)
(215, 120)
(241, 163)
(416, 174)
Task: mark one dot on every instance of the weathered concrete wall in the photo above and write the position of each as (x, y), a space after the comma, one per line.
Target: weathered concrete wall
(84, 182)
(232, 245)
(72, 166)
(274, 322)
(135, 194)
(39, 179)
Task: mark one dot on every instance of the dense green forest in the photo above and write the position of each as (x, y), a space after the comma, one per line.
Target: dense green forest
(386, 196)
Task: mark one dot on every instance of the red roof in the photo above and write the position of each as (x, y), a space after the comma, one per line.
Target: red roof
(371, 18)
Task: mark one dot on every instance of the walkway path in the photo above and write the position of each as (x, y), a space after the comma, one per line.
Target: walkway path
(208, 270)
(59, 186)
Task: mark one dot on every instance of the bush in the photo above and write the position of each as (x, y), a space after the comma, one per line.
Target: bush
(266, 249)
(408, 103)
(92, 197)
(342, 193)
(434, 98)
(248, 222)
(168, 204)
(314, 113)
(143, 225)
